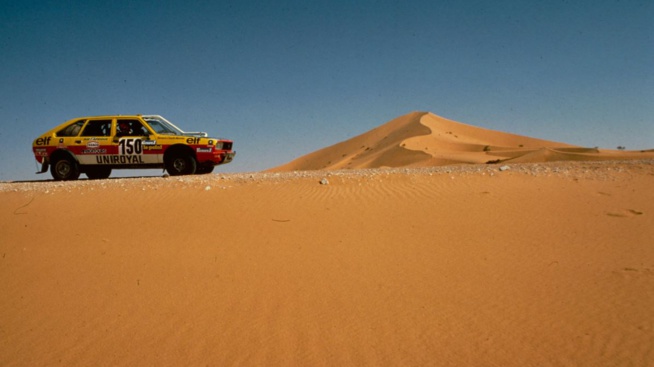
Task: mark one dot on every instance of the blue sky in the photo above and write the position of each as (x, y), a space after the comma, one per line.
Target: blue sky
(284, 78)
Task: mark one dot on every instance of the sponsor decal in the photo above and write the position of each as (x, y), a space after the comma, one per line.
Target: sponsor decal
(210, 143)
(43, 141)
(93, 144)
(149, 142)
(41, 152)
(203, 150)
(94, 151)
(119, 159)
(152, 147)
(193, 141)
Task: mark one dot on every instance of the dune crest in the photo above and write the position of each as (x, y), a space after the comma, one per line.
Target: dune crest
(378, 147)
(423, 139)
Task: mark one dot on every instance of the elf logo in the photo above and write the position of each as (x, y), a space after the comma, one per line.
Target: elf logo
(43, 141)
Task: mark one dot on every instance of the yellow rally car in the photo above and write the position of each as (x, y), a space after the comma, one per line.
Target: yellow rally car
(96, 145)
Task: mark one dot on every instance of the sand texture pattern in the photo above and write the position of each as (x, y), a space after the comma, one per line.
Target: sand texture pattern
(548, 264)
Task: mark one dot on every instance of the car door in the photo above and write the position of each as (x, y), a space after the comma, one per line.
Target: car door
(132, 139)
(93, 142)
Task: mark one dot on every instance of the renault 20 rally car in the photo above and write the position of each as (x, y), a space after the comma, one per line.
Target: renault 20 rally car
(96, 145)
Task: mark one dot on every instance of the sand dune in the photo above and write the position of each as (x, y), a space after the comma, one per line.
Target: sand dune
(422, 139)
(547, 264)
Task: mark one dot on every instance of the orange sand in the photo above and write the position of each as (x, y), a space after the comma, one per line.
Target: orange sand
(538, 265)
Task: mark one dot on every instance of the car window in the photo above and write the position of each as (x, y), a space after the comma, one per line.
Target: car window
(126, 127)
(160, 128)
(72, 129)
(97, 128)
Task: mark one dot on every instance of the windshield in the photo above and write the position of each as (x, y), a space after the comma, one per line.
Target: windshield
(162, 126)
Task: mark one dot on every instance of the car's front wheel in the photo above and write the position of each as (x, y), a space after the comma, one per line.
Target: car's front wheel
(181, 164)
(97, 173)
(64, 168)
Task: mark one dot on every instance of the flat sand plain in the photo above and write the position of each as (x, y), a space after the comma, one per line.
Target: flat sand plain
(545, 264)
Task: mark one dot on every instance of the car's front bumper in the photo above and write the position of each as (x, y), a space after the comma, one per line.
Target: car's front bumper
(228, 157)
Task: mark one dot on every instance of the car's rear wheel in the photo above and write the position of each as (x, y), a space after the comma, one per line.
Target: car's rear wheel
(97, 173)
(64, 168)
(181, 164)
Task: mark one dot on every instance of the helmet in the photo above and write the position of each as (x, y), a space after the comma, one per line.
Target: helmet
(123, 127)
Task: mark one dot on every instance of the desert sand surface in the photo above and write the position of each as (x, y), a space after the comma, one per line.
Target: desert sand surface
(423, 139)
(520, 264)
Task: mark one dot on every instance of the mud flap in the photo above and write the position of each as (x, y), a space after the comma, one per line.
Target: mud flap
(44, 167)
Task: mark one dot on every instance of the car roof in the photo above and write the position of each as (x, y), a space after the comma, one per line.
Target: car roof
(110, 116)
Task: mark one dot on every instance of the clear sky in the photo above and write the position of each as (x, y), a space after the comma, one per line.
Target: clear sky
(284, 78)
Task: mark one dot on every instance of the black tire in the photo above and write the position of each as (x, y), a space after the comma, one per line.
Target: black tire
(181, 164)
(64, 168)
(98, 173)
(203, 170)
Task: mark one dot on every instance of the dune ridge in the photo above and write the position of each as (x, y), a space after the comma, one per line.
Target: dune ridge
(421, 139)
(375, 148)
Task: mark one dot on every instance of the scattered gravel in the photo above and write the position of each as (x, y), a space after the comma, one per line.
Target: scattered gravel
(593, 170)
